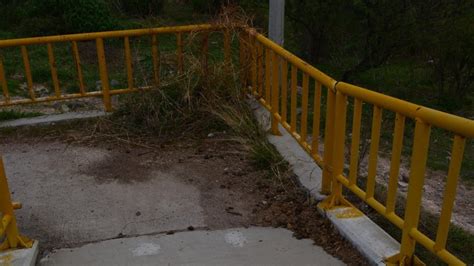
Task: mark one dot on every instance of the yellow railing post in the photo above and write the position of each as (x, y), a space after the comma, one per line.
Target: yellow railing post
(275, 95)
(8, 224)
(415, 189)
(77, 61)
(128, 62)
(54, 71)
(3, 81)
(104, 76)
(328, 141)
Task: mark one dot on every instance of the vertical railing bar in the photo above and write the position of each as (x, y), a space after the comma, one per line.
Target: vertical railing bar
(4, 83)
(104, 75)
(339, 144)
(284, 90)
(355, 141)
(128, 62)
(304, 106)
(294, 82)
(29, 78)
(316, 118)
(275, 92)
(54, 72)
(179, 52)
(415, 187)
(77, 60)
(260, 69)
(328, 162)
(156, 59)
(450, 192)
(268, 69)
(395, 163)
(373, 153)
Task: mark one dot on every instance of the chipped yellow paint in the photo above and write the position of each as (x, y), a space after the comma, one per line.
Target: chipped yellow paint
(351, 212)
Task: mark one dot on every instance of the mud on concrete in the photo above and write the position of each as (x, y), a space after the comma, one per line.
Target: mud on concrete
(77, 191)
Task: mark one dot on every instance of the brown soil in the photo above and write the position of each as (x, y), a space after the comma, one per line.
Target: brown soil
(234, 193)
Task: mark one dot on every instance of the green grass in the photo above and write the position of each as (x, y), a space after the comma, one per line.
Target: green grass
(12, 115)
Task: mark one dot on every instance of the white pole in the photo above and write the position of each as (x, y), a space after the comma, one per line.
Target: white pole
(276, 21)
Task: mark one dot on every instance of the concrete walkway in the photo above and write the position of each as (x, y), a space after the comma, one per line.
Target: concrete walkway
(238, 246)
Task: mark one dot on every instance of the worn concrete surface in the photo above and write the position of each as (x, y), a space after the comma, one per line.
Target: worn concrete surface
(20, 257)
(65, 204)
(51, 119)
(238, 246)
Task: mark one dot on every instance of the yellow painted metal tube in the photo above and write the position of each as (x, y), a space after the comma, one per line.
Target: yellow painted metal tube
(253, 63)
(29, 78)
(284, 90)
(294, 82)
(3, 82)
(450, 192)
(6, 208)
(415, 186)
(429, 244)
(77, 61)
(268, 69)
(5, 221)
(397, 146)
(260, 70)
(304, 107)
(456, 124)
(275, 93)
(128, 61)
(106, 35)
(328, 142)
(156, 59)
(293, 59)
(104, 75)
(355, 142)
(316, 118)
(339, 144)
(179, 52)
(54, 71)
(374, 150)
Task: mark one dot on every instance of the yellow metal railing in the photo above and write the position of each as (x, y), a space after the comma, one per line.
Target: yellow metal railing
(8, 227)
(268, 80)
(273, 75)
(105, 89)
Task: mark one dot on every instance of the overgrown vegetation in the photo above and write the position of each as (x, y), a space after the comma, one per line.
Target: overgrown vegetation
(12, 114)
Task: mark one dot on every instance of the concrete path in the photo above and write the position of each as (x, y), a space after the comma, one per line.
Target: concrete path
(239, 246)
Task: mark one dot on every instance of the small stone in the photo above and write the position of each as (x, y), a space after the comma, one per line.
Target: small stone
(64, 108)
(138, 213)
(190, 228)
(210, 135)
(264, 202)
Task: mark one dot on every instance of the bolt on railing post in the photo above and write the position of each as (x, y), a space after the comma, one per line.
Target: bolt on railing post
(104, 76)
(328, 141)
(415, 189)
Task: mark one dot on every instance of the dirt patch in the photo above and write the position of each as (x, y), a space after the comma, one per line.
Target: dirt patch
(233, 193)
(125, 167)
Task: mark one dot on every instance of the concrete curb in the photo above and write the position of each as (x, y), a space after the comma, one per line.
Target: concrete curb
(20, 257)
(371, 240)
(51, 119)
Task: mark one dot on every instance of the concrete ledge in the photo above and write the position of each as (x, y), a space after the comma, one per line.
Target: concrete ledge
(236, 246)
(49, 119)
(371, 240)
(20, 257)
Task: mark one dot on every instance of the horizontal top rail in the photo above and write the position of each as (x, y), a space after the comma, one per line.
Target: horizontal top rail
(453, 123)
(105, 34)
(298, 62)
